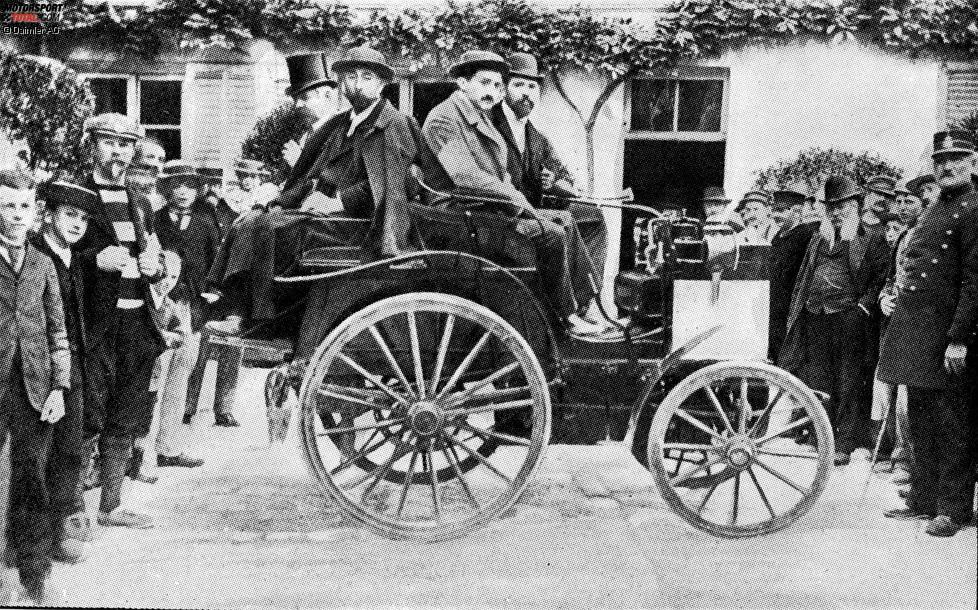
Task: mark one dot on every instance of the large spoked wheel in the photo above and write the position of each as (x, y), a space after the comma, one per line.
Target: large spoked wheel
(424, 416)
(728, 452)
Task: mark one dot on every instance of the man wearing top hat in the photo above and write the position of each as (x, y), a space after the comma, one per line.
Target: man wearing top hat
(536, 171)
(788, 248)
(120, 256)
(475, 159)
(832, 303)
(926, 345)
(357, 166)
(315, 96)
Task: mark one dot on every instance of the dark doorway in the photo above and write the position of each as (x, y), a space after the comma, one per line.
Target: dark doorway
(668, 175)
(428, 94)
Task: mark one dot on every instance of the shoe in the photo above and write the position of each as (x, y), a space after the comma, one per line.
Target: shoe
(69, 550)
(78, 527)
(841, 458)
(906, 514)
(135, 469)
(227, 420)
(33, 590)
(188, 419)
(228, 327)
(183, 460)
(942, 526)
(125, 518)
(149, 479)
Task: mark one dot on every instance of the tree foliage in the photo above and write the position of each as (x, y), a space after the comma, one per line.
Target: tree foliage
(269, 135)
(45, 104)
(814, 165)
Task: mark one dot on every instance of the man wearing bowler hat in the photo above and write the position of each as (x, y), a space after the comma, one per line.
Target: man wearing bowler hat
(315, 96)
(536, 171)
(926, 345)
(475, 157)
(832, 304)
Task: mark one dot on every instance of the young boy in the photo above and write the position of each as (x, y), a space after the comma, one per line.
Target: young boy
(69, 208)
(35, 374)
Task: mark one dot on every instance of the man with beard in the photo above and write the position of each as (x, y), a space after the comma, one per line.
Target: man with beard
(361, 171)
(474, 158)
(315, 97)
(144, 169)
(120, 257)
(833, 300)
(926, 343)
(535, 170)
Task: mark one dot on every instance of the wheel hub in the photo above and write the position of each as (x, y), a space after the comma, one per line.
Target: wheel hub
(426, 418)
(740, 452)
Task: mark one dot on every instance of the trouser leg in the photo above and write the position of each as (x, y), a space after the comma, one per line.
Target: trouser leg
(552, 255)
(173, 396)
(817, 372)
(115, 451)
(65, 462)
(196, 379)
(583, 275)
(955, 487)
(228, 366)
(921, 414)
(852, 417)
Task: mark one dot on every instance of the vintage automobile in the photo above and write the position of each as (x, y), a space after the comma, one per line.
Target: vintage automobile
(431, 384)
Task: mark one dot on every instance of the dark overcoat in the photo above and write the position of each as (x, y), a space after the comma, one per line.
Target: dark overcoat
(868, 257)
(939, 304)
(786, 255)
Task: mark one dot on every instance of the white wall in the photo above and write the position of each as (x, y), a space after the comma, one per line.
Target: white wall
(852, 97)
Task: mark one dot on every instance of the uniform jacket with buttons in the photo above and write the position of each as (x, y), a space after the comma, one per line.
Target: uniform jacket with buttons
(938, 304)
(33, 324)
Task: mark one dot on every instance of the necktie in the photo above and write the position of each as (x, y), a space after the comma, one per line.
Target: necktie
(16, 256)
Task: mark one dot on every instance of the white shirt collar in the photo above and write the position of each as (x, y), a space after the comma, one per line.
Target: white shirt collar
(359, 117)
(63, 253)
(517, 126)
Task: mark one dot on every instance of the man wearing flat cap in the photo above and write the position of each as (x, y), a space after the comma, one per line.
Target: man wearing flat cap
(538, 173)
(926, 345)
(475, 157)
(120, 257)
(832, 305)
(879, 199)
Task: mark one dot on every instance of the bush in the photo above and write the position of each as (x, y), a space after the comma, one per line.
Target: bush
(271, 132)
(45, 104)
(814, 165)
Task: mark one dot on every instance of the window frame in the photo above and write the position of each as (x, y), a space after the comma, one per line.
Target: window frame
(134, 96)
(687, 73)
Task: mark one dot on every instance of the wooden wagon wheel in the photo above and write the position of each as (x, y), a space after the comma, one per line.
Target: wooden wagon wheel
(751, 477)
(415, 383)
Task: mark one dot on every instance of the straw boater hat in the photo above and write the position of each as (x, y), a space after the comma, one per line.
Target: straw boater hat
(759, 196)
(113, 124)
(65, 193)
(250, 167)
(178, 170)
(480, 60)
(307, 71)
(841, 188)
(364, 57)
(211, 175)
(524, 65)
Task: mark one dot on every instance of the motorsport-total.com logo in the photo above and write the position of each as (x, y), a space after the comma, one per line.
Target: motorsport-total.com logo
(31, 18)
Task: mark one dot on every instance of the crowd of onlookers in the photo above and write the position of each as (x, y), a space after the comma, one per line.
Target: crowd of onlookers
(111, 292)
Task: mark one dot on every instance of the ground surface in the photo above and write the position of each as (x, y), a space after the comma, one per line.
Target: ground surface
(250, 529)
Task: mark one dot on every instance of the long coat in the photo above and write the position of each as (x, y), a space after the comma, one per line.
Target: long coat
(787, 253)
(868, 257)
(32, 319)
(471, 151)
(939, 304)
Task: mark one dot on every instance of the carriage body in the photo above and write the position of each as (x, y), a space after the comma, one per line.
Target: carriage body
(436, 379)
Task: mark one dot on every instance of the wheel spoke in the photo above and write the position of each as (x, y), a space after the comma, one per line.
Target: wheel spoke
(719, 409)
(452, 457)
(736, 500)
(506, 370)
(486, 434)
(780, 476)
(767, 412)
(329, 391)
(685, 477)
(482, 460)
(790, 454)
(464, 366)
(391, 359)
(442, 353)
(378, 472)
(483, 398)
(416, 354)
(377, 381)
(745, 408)
(760, 491)
(408, 479)
(435, 498)
(794, 425)
(692, 447)
(367, 450)
(385, 423)
(707, 497)
(700, 425)
(502, 406)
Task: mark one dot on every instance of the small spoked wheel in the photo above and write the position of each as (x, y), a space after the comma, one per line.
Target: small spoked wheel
(424, 416)
(740, 449)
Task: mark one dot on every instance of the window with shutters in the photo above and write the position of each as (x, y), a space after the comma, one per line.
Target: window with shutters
(962, 93)
(154, 101)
